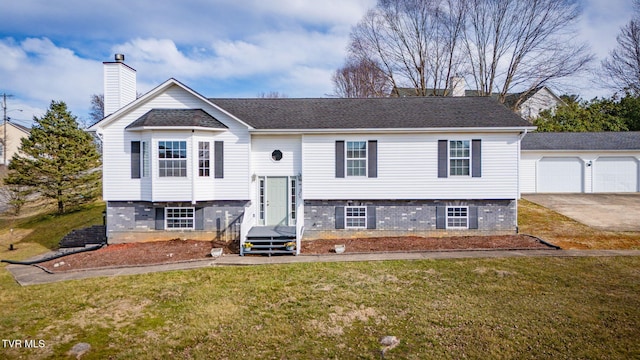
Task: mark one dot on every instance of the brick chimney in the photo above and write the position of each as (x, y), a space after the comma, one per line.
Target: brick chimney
(119, 84)
(457, 86)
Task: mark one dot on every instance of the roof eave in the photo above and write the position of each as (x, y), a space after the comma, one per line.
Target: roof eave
(203, 128)
(158, 89)
(517, 129)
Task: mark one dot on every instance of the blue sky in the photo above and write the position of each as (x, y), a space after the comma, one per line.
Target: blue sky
(53, 50)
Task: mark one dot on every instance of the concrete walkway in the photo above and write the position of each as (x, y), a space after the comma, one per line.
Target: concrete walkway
(32, 275)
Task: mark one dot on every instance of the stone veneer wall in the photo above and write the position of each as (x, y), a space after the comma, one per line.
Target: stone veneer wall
(134, 221)
(408, 217)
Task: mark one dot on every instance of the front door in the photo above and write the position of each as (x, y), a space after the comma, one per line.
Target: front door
(276, 201)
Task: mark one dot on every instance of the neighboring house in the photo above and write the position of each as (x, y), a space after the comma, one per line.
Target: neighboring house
(528, 104)
(179, 165)
(14, 134)
(580, 162)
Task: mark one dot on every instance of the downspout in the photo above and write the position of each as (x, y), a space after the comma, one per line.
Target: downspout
(520, 137)
(194, 166)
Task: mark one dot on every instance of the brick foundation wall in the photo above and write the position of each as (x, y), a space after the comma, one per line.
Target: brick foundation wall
(134, 221)
(408, 217)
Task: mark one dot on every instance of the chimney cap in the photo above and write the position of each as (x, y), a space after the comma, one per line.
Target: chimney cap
(119, 57)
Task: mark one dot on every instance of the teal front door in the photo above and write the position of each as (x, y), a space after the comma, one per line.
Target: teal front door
(277, 213)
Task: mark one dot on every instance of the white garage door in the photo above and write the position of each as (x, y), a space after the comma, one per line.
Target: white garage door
(615, 174)
(560, 174)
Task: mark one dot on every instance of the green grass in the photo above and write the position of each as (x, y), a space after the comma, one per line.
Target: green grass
(542, 308)
(494, 308)
(39, 233)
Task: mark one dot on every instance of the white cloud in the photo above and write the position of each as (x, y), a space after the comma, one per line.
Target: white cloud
(35, 71)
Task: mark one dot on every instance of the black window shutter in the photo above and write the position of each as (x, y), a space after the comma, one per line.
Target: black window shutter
(218, 154)
(476, 158)
(159, 218)
(443, 158)
(199, 225)
(372, 161)
(441, 217)
(371, 217)
(473, 217)
(339, 217)
(135, 159)
(339, 159)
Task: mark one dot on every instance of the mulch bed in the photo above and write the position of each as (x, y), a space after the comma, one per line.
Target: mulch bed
(159, 252)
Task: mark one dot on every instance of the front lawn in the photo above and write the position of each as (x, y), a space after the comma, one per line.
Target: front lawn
(544, 308)
(449, 309)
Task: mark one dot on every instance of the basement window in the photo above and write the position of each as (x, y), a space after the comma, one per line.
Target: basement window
(355, 217)
(457, 217)
(179, 218)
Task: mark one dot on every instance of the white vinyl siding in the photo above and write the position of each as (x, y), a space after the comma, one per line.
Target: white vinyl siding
(117, 182)
(262, 146)
(408, 169)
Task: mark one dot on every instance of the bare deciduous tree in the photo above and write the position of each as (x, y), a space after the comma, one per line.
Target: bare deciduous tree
(360, 79)
(522, 44)
(503, 45)
(97, 108)
(621, 70)
(414, 41)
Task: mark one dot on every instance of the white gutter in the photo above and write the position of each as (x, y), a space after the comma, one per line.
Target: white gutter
(393, 130)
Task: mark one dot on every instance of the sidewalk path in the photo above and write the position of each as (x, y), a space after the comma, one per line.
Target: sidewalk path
(31, 275)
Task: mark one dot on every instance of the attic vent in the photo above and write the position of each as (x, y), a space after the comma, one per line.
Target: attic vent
(119, 57)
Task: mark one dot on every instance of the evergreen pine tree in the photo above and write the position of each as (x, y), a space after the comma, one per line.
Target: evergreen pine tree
(58, 160)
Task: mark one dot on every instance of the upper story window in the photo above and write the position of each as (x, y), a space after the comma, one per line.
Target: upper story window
(204, 167)
(356, 158)
(459, 157)
(172, 157)
(145, 159)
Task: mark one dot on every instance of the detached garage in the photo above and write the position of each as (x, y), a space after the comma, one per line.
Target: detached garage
(580, 162)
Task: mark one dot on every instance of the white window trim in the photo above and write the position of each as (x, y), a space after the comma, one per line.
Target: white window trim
(293, 198)
(456, 217)
(186, 158)
(346, 226)
(166, 219)
(449, 158)
(208, 158)
(346, 158)
(262, 200)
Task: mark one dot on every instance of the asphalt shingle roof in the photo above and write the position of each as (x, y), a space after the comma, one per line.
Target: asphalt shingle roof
(372, 113)
(629, 140)
(177, 117)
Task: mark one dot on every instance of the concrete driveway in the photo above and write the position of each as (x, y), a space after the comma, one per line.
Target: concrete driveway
(613, 212)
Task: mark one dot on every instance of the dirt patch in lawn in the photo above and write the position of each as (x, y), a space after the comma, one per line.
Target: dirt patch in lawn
(160, 252)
